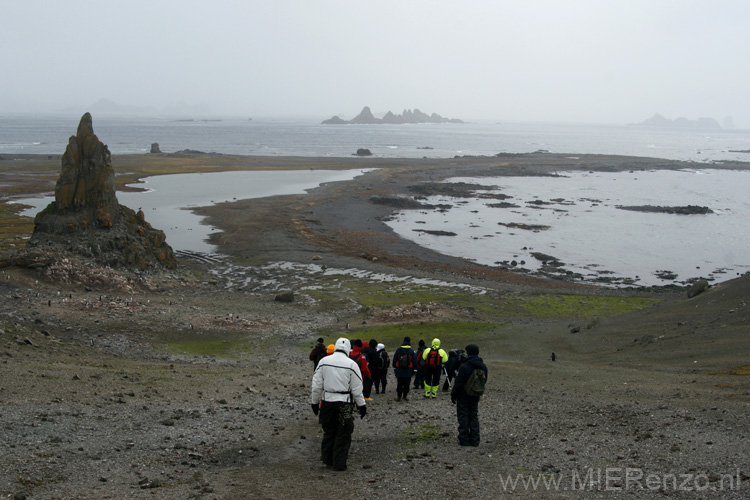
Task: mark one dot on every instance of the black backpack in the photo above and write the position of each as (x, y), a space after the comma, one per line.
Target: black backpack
(404, 360)
(383, 360)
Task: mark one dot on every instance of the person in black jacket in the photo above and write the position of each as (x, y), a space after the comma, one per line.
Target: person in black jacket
(369, 352)
(467, 407)
(419, 374)
(404, 363)
(318, 352)
(382, 363)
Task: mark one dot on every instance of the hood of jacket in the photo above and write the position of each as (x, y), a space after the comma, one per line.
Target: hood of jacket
(474, 361)
(436, 344)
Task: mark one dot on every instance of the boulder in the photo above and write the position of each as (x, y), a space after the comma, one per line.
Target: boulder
(697, 288)
(87, 220)
(364, 152)
(155, 148)
(285, 296)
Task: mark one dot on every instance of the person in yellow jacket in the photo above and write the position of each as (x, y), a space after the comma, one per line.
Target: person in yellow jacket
(433, 358)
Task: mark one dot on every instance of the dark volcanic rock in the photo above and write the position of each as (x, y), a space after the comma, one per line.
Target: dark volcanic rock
(435, 232)
(86, 218)
(364, 152)
(404, 203)
(155, 148)
(285, 296)
(86, 178)
(698, 288)
(453, 189)
(686, 210)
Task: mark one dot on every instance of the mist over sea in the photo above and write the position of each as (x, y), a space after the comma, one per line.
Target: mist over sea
(49, 135)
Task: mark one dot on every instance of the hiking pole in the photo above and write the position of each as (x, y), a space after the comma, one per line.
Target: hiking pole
(447, 380)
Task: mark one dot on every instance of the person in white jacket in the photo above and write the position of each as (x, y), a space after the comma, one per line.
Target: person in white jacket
(336, 389)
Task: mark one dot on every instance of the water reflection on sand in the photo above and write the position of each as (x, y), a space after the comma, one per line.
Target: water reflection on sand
(168, 198)
(574, 218)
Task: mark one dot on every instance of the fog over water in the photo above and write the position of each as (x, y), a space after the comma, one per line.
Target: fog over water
(579, 61)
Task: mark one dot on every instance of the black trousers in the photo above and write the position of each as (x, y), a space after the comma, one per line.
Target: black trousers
(402, 386)
(337, 420)
(432, 375)
(381, 378)
(367, 386)
(419, 378)
(467, 411)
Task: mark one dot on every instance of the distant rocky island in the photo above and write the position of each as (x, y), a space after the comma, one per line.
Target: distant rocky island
(365, 117)
(701, 123)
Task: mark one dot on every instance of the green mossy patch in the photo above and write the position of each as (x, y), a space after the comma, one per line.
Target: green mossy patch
(449, 332)
(225, 348)
(15, 229)
(740, 371)
(580, 306)
(420, 434)
(491, 305)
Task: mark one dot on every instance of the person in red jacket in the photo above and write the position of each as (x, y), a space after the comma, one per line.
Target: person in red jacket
(361, 360)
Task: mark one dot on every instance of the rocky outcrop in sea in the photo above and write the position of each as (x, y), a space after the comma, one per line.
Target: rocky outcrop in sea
(365, 117)
(660, 121)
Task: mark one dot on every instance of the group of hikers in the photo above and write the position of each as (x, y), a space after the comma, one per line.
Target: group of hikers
(346, 371)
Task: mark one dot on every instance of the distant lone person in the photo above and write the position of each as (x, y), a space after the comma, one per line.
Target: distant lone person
(553, 357)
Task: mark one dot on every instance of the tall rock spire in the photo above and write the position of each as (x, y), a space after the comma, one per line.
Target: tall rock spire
(86, 219)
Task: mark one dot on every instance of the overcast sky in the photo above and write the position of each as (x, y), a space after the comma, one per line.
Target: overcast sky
(599, 61)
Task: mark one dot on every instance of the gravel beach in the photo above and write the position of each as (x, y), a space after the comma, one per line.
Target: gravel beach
(194, 382)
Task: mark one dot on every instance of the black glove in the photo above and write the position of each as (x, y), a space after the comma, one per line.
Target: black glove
(453, 399)
(362, 411)
(315, 408)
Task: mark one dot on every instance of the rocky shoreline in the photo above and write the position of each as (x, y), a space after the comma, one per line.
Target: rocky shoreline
(193, 382)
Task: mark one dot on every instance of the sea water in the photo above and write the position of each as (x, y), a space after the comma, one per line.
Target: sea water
(49, 135)
(593, 240)
(577, 218)
(167, 199)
